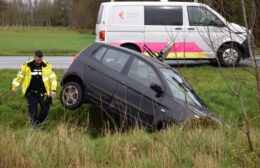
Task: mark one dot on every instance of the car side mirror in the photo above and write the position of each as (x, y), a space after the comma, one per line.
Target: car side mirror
(157, 88)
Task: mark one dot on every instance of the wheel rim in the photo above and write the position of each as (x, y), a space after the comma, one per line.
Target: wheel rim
(230, 55)
(70, 95)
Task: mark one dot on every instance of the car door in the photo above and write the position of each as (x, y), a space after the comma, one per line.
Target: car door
(103, 72)
(134, 98)
(164, 24)
(204, 33)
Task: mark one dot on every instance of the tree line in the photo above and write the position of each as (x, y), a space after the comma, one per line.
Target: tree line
(82, 14)
(73, 13)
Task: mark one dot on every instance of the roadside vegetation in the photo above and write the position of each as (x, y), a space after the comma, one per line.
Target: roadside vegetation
(52, 40)
(80, 139)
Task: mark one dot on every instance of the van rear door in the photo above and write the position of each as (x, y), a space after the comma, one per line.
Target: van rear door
(125, 24)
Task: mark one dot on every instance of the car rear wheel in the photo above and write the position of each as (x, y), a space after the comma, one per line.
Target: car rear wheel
(71, 95)
(229, 55)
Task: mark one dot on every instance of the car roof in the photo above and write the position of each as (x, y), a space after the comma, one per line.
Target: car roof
(149, 59)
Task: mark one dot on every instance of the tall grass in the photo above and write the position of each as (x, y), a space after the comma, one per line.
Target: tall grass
(66, 146)
(78, 138)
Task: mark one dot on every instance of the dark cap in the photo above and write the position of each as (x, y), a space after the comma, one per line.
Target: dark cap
(39, 53)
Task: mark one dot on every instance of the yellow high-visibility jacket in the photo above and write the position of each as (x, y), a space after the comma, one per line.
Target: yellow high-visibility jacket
(24, 77)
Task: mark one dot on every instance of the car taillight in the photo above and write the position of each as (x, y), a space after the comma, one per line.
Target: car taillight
(74, 59)
(102, 36)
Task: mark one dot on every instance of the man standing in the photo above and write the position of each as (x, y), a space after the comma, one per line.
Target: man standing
(38, 86)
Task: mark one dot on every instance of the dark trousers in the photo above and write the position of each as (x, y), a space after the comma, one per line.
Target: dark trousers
(37, 117)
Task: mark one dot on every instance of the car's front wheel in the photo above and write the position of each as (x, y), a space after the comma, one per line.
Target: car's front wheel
(71, 95)
(229, 55)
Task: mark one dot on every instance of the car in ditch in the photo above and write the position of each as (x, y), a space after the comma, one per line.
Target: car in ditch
(130, 88)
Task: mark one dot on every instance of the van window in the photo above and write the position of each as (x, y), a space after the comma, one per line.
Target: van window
(163, 15)
(115, 60)
(200, 16)
(100, 12)
(141, 72)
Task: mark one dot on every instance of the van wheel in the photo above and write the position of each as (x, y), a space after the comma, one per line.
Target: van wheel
(71, 95)
(132, 47)
(229, 55)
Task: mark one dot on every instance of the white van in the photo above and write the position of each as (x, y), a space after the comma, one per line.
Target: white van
(198, 32)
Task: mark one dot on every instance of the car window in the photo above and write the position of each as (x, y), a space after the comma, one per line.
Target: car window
(200, 16)
(162, 15)
(180, 89)
(143, 73)
(98, 55)
(115, 60)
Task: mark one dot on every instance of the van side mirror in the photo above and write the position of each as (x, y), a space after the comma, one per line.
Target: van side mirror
(157, 88)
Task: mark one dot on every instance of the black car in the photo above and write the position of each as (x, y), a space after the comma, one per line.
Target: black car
(130, 87)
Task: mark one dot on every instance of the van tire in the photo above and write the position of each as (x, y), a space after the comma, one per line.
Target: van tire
(71, 95)
(132, 47)
(229, 55)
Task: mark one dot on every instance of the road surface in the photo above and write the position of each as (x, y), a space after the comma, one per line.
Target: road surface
(15, 62)
(62, 62)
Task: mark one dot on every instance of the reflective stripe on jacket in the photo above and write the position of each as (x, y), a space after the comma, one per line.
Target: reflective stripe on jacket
(24, 77)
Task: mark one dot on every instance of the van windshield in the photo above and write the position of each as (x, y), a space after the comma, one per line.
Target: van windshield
(180, 88)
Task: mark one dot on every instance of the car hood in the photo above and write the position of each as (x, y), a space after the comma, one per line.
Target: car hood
(203, 112)
(180, 112)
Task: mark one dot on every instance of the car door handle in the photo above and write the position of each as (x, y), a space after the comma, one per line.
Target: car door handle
(178, 28)
(191, 28)
(91, 68)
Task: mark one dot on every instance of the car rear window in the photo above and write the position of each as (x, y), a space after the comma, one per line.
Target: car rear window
(163, 15)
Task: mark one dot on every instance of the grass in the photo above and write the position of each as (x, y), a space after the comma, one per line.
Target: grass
(71, 147)
(53, 41)
(78, 138)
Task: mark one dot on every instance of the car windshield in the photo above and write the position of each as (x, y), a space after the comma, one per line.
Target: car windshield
(180, 88)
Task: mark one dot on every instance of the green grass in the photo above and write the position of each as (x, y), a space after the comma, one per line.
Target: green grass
(53, 41)
(79, 139)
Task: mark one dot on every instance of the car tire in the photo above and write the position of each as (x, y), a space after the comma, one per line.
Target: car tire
(71, 95)
(229, 55)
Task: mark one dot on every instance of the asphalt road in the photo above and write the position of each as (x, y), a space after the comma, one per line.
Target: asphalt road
(15, 62)
(62, 62)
